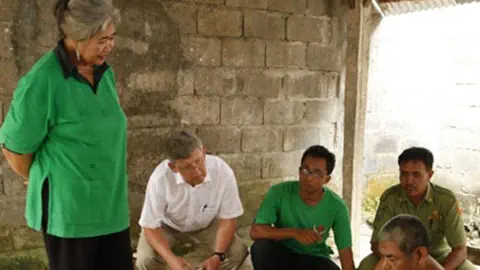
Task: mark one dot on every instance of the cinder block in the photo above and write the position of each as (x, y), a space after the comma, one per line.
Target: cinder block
(265, 25)
(286, 54)
(224, 139)
(219, 22)
(242, 111)
(261, 139)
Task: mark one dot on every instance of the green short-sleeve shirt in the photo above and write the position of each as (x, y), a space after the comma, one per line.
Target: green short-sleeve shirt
(284, 208)
(439, 212)
(78, 138)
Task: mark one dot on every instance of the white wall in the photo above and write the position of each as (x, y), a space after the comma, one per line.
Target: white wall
(424, 90)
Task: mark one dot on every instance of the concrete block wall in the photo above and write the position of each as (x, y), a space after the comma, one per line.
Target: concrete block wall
(257, 80)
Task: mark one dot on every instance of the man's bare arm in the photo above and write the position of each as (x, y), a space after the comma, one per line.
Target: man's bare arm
(346, 259)
(432, 264)
(156, 238)
(225, 234)
(455, 258)
(19, 163)
(259, 231)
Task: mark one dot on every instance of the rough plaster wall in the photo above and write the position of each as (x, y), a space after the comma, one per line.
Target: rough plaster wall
(258, 80)
(426, 93)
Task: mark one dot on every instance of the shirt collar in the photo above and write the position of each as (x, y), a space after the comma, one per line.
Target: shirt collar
(428, 195)
(68, 67)
(179, 179)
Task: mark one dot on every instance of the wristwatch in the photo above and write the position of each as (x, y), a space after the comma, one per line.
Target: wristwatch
(221, 255)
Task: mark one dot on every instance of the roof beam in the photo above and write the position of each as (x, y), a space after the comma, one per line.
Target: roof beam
(395, 1)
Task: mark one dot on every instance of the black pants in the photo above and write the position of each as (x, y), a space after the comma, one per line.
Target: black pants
(272, 255)
(104, 252)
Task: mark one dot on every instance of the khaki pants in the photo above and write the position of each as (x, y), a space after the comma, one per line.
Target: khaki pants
(204, 242)
(369, 263)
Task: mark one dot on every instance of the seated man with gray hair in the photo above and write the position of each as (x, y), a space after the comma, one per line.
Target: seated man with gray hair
(192, 197)
(403, 243)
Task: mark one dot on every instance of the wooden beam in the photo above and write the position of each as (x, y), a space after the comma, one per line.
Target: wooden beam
(396, 1)
(359, 25)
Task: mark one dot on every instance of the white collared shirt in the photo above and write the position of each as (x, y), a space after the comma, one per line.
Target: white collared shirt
(170, 200)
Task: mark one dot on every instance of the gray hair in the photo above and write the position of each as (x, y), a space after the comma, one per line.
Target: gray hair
(81, 19)
(181, 144)
(407, 231)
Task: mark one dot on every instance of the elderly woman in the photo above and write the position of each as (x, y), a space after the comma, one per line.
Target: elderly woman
(65, 133)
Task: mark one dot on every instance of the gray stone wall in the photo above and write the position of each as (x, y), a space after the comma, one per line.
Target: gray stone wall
(258, 80)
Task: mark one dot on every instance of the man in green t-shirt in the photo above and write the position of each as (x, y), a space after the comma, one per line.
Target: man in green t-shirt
(291, 227)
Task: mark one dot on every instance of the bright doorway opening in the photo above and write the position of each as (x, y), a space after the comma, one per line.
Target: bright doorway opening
(424, 90)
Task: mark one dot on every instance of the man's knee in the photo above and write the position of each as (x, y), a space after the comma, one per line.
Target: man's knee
(237, 253)
(148, 259)
(145, 261)
(369, 262)
(467, 265)
(261, 248)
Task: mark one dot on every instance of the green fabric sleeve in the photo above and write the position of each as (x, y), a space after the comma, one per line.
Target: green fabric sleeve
(454, 226)
(268, 212)
(26, 123)
(341, 228)
(384, 214)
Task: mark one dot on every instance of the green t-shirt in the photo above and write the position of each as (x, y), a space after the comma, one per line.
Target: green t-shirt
(78, 138)
(284, 208)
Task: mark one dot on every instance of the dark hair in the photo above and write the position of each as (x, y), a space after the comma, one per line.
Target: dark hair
(417, 154)
(319, 151)
(59, 12)
(407, 231)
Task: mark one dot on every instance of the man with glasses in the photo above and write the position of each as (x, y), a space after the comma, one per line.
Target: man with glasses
(402, 245)
(190, 197)
(293, 223)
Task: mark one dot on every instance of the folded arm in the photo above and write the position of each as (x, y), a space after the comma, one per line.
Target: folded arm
(20, 163)
(455, 258)
(259, 231)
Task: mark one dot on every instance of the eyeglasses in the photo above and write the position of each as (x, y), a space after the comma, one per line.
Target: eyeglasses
(195, 165)
(307, 172)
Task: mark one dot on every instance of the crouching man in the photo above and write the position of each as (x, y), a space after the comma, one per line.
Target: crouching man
(192, 197)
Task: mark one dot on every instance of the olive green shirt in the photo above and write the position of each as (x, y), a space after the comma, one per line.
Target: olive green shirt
(78, 134)
(439, 212)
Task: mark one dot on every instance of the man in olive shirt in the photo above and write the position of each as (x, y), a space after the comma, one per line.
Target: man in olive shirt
(436, 206)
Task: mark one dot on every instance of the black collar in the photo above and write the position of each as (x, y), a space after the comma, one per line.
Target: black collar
(68, 68)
